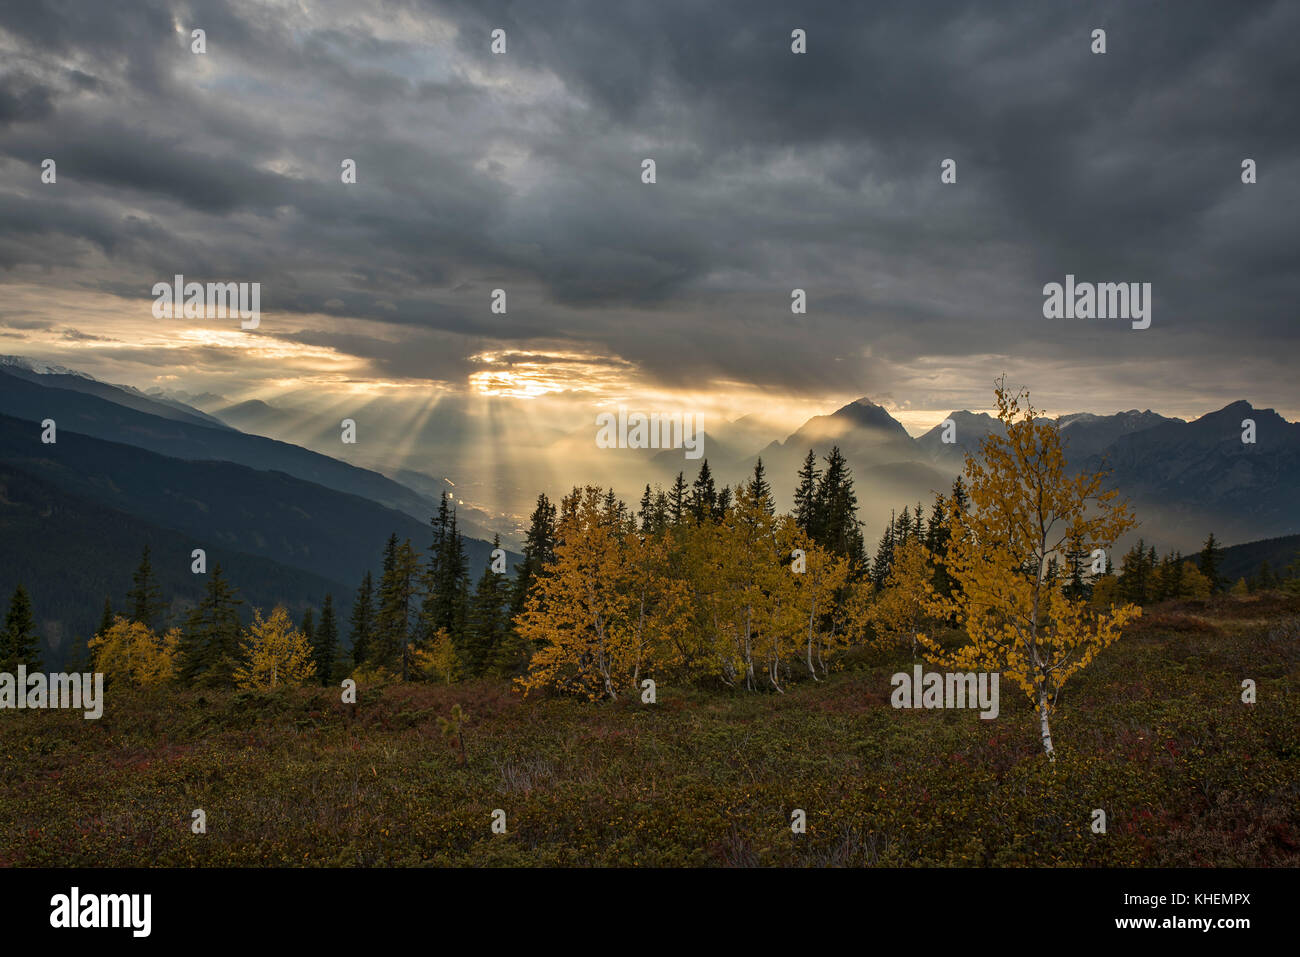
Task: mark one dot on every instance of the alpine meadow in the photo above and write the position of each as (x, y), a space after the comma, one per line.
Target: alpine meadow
(486, 436)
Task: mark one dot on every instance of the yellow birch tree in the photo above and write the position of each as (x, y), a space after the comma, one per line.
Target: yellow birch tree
(1024, 510)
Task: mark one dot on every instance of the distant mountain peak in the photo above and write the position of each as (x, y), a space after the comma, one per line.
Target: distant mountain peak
(865, 412)
(41, 368)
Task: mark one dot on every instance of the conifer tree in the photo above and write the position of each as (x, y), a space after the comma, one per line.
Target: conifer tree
(836, 507)
(677, 500)
(487, 619)
(539, 549)
(391, 647)
(704, 496)
(363, 621)
(1208, 563)
(446, 581)
(646, 511)
(884, 557)
(145, 598)
(18, 642)
(273, 654)
(106, 619)
(760, 491)
(805, 497)
(325, 642)
(209, 644)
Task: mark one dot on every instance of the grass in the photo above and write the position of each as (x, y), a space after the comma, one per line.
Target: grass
(1154, 733)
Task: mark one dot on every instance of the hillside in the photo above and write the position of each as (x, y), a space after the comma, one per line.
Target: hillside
(36, 398)
(1153, 732)
(1243, 561)
(70, 553)
(222, 506)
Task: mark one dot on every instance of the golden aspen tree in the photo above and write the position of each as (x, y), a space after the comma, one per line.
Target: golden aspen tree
(816, 582)
(604, 611)
(900, 611)
(658, 607)
(1024, 510)
(275, 654)
(130, 651)
(737, 579)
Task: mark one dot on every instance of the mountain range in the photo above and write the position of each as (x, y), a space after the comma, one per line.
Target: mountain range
(289, 523)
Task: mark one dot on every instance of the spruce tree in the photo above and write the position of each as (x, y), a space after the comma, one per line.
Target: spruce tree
(18, 642)
(363, 621)
(539, 550)
(704, 496)
(308, 625)
(936, 543)
(145, 598)
(760, 490)
(487, 619)
(678, 500)
(884, 558)
(836, 507)
(325, 643)
(210, 639)
(106, 619)
(805, 497)
(646, 511)
(1209, 562)
(446, 582)
(396, 606)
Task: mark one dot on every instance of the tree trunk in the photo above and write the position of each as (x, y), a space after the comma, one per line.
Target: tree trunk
(1046, 730)
(812, 619)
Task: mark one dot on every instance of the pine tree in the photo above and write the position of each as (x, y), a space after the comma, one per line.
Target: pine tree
(539, 549)
(704, 496)
(1208, 563)
(724, 504)
(1075, 561)
(884, 557)
(836, 508)
(209, 645)
(391, 647)
(145, 598)
(308, 625)
(936, 543)
(759, 490)
(805, 497)
(646, 511)
(325, 642)
(677, 500)
(363, 621)
(18, 642)
(106, 619)
(446, 582)
(487, 619)
(903, 528)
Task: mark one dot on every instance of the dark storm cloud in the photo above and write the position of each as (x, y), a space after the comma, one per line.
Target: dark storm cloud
(775, 171)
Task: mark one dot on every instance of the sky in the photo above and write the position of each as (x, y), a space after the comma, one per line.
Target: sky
(522, 171)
